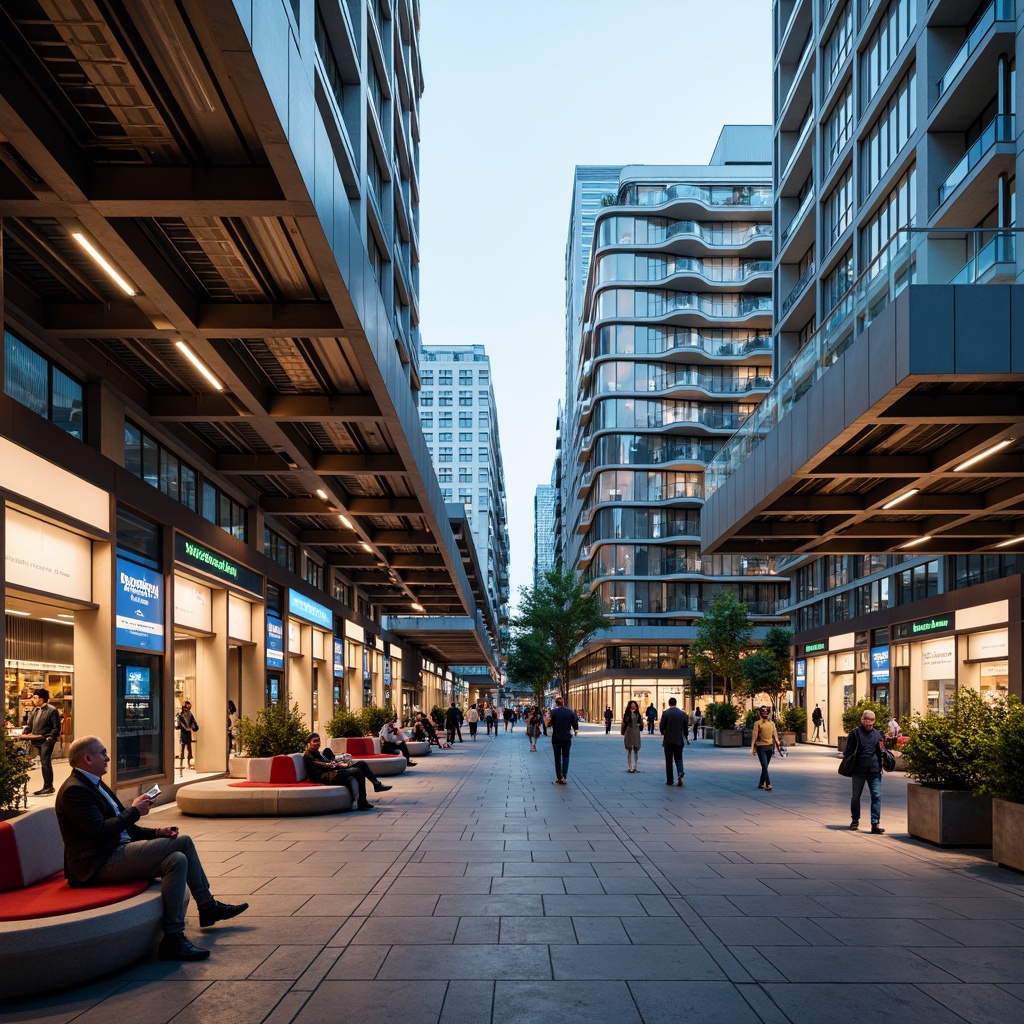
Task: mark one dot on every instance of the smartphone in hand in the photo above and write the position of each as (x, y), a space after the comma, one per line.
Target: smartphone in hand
(153, 793)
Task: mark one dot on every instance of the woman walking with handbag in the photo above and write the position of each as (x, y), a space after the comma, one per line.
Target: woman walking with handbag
(631, 728)
(533, 726)
(187, 727)
(765, 742)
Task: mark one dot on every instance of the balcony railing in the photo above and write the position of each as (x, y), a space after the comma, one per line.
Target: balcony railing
(798, 288)
(716, 195)
(998, 10)
(798, 216)
(999, 129)
(912, 256)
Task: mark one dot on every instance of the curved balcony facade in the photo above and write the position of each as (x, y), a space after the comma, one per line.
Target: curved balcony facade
(675, 353)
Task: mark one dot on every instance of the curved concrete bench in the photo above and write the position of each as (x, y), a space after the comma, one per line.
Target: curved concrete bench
(276, 787)
(367, 748)
(419, 748)
(113, 930)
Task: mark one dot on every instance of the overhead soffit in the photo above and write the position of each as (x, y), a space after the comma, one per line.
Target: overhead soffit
(126, 93)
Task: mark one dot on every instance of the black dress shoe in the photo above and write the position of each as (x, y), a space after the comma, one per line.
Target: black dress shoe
(411, 764)
(364, 806)
(214, 912)
(45, 791)
(177, 947)
(381, 788)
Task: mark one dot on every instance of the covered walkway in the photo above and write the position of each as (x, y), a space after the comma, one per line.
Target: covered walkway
(477, 892)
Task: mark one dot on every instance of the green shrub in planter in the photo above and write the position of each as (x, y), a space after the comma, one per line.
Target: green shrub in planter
(1004, 755)
(851, 716)
(345, 724)
(437, 716)
(374, 719)
(278, 729)
(951, 751)
(14, 774)
(722, 715)
(793, 719)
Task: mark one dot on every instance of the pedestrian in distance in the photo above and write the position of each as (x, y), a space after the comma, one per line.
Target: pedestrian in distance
(818, 719)
(564, 724)
(607, 720)
(533, 726)
(453, 722)
(187, 728)
(631, 728)
(674, 726)
(42, 732)
(473, 717)
(652, 717)
(867, 742)
(489, 719)
(232, 725)
(764, 743)
(698, 721)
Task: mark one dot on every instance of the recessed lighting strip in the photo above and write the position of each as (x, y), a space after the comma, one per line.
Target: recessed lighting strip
(919, 540)
(198, 364)
(1007, 543)
(102, 263)
(984, 455)
(902, 497)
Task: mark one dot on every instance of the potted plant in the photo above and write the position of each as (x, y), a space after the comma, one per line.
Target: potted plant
(851, 718)
(945, 757)
(1004, 782)
(749, 719)
(278, 729)
(345, 724)
(374, 719)
(14, 774)
(722, 716)
(793, 722)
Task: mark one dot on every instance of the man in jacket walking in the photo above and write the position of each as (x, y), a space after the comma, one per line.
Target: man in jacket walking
(674, 726)
(562, 721)
(43, 732)
(867, 741)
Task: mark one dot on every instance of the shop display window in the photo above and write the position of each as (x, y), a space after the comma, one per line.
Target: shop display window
(139, 716)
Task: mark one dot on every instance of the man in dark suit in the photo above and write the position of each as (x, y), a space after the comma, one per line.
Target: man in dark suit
(103, 845)
(564, 725)
(674, 726)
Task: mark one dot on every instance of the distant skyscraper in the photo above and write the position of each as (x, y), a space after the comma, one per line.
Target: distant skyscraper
(668, 351)
(460, 424)
(543, 531)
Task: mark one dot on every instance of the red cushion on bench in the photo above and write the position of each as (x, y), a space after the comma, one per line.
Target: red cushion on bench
(359, 746)
(282, 769)
(272, 785)
(53, 897)
(10, 865)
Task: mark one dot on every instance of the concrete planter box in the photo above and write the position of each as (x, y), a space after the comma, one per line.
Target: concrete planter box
(1008, 834)
(949, 817)
(728, 737)
(238, 767)
(841, 744)
(788, 739)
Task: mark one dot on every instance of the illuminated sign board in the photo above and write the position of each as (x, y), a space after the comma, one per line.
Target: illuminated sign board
(139, 607)
(309, 610)
(800, 673)
(275, 642)
(879, 664)
(339, 656)
(188, 552)
(930, 626)
(814, 648)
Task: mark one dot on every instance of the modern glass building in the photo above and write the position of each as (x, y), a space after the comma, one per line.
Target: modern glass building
(673, 354)
(543, 531)
(887, 466)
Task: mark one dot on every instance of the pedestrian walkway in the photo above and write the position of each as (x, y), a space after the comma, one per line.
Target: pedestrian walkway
(478, 892)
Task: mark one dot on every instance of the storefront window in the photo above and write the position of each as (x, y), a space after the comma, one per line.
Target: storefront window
(139, 690)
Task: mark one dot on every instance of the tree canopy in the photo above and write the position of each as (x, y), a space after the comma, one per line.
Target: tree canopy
(561, 616)
(767, 669)
(530, 663)
(723, 636)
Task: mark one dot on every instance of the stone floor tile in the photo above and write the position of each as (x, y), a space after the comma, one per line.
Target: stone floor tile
(984, 964)
(592, 906)
(651, 931)
(233, 1002)
(461, 962)
(542, 930)
(477, 930)
(364, 1002)
(633, 963)
(468, 1002)
(390, 931)
(600, 931)
(977, 1004)
(538, 1002)
(813, 1003)
(710, 1002)
(835, 964)
(753, 931)
(153, 1002)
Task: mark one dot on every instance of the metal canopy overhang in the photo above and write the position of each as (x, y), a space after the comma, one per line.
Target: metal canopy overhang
(204, 209)
(934, 382)
(452, 640)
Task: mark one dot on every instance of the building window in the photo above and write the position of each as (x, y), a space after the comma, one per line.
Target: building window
(838, 212)
(837, 48)
(466, 435)
(483, 437)
(444, 377)
(427, 420)
(147, 459)
(36, 383)
(896, 212)
(838, 128)
(483, 418)
(465, 398)
(444, 419)
(314, 573)
(884, 46)
(427, 378)
(465, 455)
(837, 283)
(444, 398)
(482, 452)
(444, 435)
(444, 455)
(484, 376)
(444, 476)
(482, 395)
(276, 548)
(465, 420)
(465, 476)
(426, 401)
(465, 377)
(889, 134)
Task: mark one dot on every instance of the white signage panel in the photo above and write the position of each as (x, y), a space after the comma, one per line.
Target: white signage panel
(43, 557)
(239, 618)
(987, 645)
(938, 658)
(193, 605)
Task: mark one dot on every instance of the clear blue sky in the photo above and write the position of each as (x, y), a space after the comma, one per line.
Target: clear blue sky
(516, 94)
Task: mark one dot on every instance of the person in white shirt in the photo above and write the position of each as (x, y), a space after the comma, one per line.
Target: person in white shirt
(472, 716)
(392, 740)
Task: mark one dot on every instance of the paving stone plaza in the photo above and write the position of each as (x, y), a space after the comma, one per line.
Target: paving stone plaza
(478, 892)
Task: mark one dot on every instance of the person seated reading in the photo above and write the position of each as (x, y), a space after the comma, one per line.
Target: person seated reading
(392, 740)
(322, 767)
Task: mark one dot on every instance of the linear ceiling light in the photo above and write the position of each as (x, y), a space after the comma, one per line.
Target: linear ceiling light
(60, 622)
(346, 522)
(366, 547)
(902, 497)
(14, 611)
(101, 262)
(417, 607)
(919, 540)
(198, 364)
(322, 494)
(983, 455)
(1012, 540)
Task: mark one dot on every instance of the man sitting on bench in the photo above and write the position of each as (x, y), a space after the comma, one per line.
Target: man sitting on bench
(322, 767)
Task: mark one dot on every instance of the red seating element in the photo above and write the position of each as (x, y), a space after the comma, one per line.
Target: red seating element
(361, 746)
(282, 771)
(53, 897)
(273, 785)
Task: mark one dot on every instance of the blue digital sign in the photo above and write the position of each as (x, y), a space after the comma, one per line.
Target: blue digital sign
(339, 656)
(139, 607)
(879, 664)
(309, 610)
(275, 642)
(136, 681)
(801, 673)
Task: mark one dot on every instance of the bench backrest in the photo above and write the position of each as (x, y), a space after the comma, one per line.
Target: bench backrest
(279, 770)
(31, 848)
(362, 746)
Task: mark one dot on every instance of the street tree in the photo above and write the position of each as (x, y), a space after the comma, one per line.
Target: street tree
(560, 610)
(530, 663)
(723, 637)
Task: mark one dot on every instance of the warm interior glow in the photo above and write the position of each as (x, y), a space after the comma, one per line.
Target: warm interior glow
(366, 547)
(198, 364)
(1007, 543)
(60, 622)
(102, 263)
(983, 455)
(902, 497)
(920, 540)
(416, 607)
(321, 494)
(12, 611)
(346, 522)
